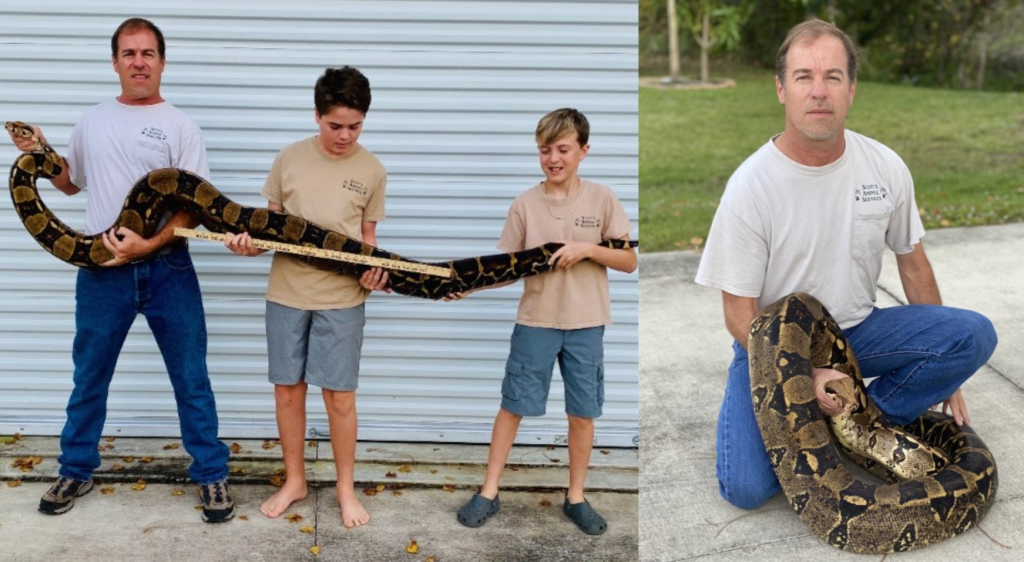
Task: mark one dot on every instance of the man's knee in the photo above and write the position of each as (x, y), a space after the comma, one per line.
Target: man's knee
(977, 336)
(748, 495)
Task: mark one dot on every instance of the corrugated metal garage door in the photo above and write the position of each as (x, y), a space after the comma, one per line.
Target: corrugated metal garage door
(457, 90)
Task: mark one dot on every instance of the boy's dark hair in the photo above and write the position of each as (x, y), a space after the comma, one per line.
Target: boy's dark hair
(561, 122)
(344, 86)
(131, 25)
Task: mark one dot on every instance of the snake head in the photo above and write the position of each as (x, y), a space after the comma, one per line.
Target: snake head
(843, 392)
(25, 131)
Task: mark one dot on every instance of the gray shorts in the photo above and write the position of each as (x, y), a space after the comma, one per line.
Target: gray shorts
(528, 372)
(321, 347)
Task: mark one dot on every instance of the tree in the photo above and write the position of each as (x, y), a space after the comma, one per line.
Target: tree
(713, 23)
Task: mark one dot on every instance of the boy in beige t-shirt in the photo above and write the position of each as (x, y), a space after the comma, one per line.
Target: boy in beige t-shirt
(315, 318)
(562, 314)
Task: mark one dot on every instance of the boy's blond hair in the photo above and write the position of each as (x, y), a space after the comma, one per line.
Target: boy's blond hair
(561, 122)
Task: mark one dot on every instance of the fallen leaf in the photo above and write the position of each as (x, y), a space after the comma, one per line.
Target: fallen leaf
(396, 492)
(236, 448)
(381, 487)
(139, 486)
(13, 483)
(404, 468)
(603, 452)
(556, 460)
(269, 444)
(170, 446)
(293, 517)
(146, 460)
(433, 471)
(237, 470)
(109, 439)
(108, 446)
(413, 548)
(514, 468)
(177, 492)
(370, 491)
(243, 517)
(943, 222)
(128, 459)
(280, 470)
(107, 490)
(308, 529)
(390, 475)
(276, 481)
(551, 447)
(430, 559)
(116, 468)
(199, 507)
(314, 550)
(545, 503)
(313, 444)
(448, 488)
(696, 240)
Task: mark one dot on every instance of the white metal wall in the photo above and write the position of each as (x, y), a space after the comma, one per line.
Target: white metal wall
(457, 90)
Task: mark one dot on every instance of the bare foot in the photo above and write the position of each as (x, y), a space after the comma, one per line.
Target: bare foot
(279, 502)
(352, 512)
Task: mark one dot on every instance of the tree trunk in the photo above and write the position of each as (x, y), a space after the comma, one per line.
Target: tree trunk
(983, 48)
(705, 46)
(673, 42)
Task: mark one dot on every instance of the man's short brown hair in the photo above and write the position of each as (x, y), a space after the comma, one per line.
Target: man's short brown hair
(809, 31)
(131, 25)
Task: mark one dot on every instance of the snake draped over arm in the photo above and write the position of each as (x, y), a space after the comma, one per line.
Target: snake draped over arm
(942, 478)
(172, 189)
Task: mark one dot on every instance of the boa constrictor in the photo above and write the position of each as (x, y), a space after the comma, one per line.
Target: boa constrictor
(173, 189)
(942, 477)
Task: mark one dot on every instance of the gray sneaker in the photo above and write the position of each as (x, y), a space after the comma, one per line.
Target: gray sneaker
(60, 498)
(217, 503)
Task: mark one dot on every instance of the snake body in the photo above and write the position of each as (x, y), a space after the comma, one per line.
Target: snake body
(942, 478)
(172, 189)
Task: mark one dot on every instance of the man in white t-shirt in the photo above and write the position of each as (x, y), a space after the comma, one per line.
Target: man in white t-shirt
(113, 145)
(812, 211)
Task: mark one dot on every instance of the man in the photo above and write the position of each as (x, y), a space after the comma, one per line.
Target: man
(811, 211)
(111, 147)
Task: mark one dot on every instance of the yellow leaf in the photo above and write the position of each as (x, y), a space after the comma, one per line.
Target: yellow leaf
(430, 559)
(20, 437)
(170, 446)
(13, 483)
(314, 550)
(199, 507)
(308, 529)
(943, 222)
(116, 468)
(128, 459)
(293, 517)
(236, 448)
(110, 439)
(139, 486)
(696, 240)
(413, 548)
(404, 468)
(313, 444)
(381, 487)
(448, 488)
(243, 517)
(107, 490)
(276, 481)
(396, 492)
(269, 444)
(177, 492)
(370, 491)
(146, 460)
(237, 470)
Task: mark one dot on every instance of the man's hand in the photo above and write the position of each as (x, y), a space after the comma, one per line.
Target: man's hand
(957, 408)
(241, 244)
(28, 144)
(570, 254)
(828, 405)
(456, 296)
(375, 279)
(129, 247)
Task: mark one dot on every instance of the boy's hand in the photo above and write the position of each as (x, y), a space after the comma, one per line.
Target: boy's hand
(570, 254)
(375, 279)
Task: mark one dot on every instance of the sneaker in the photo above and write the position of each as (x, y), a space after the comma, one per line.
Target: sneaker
(217, 503)
(60, 498)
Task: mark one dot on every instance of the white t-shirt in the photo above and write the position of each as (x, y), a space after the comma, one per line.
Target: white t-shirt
(113, 145)
(783, 227)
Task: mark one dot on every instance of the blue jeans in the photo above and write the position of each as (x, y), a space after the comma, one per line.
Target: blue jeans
(920, 354)
(166, 291)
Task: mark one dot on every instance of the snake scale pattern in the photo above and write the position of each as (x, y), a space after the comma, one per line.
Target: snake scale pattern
(942, 478)
(173, 189)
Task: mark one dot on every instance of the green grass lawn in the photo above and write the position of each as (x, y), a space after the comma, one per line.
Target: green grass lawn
(965, 150)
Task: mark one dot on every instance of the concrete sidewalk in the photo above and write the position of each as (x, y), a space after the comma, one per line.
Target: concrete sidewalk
(411, 491)
(685, 351)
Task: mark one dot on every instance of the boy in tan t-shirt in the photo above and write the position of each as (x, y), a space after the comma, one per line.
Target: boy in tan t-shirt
(562, 314)
(315, 318)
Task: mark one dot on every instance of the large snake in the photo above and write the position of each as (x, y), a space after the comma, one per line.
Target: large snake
(172, 189)
(942, 477)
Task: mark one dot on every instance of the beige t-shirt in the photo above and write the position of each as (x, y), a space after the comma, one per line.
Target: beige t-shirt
(577, 297)
(335, 193)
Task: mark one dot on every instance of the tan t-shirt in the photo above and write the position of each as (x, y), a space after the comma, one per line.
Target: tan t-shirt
(335, 193)
(577, 297)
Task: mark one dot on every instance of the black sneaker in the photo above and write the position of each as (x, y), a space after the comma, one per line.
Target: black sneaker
(217, 503)
(60, 498)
